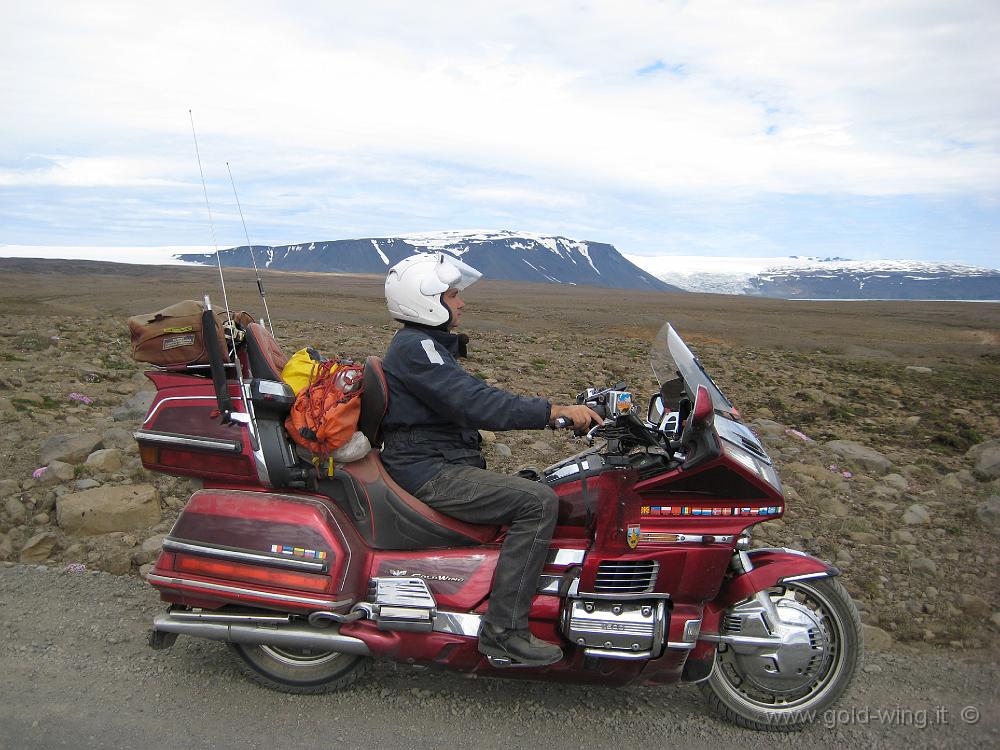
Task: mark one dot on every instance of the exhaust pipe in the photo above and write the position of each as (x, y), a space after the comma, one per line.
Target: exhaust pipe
(287, 636)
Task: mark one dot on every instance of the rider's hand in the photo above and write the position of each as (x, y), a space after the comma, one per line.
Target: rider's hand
(581, 416)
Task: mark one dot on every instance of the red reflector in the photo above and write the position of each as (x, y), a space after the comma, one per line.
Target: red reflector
(234, 571)
(204, 463)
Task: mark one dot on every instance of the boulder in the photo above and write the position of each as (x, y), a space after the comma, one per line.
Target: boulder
(919, 370)
(6, 547)
(118, 437)
(861, 455)
(16, 511)
(924, 565)
(135, 408)
(107, 460)
(973, 606)
(487, 436)
(896, 481)
(502, 450)
(57, 471)
(9, 487)
(988, 514)
(876, 639)
(39, 547)
(106, 509)
(72, 448)
(916, 515)
(987, 458)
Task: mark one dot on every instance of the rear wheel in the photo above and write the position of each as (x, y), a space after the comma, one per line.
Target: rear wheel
(299, 670)
(786, 687)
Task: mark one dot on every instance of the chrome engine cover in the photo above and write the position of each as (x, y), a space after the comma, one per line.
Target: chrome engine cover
(609, 629)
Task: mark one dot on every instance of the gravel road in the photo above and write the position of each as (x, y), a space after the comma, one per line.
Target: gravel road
(76, 672)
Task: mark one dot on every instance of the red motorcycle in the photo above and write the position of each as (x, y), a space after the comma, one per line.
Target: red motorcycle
(650, 578)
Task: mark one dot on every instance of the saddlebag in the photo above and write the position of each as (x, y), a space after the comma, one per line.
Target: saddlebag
(173, 337)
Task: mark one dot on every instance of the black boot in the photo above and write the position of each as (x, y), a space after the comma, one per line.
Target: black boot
(517, 647)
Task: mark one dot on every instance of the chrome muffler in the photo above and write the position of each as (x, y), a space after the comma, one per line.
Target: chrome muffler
(263, 631)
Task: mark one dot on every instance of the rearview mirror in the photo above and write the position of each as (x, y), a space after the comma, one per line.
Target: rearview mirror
(655, 411)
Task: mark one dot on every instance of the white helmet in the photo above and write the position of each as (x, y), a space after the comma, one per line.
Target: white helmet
(414, 286)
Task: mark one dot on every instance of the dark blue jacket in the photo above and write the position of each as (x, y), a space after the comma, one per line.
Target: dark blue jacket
(436, 408)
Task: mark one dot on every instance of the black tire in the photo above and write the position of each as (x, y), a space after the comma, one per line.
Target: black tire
(741, 698)
(301, 671)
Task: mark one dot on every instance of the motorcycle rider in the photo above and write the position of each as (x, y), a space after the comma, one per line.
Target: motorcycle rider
(432, 443)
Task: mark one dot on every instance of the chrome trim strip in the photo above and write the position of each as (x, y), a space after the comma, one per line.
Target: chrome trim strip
(192, 441)
(621, 597)
(565, 557)
(457, 623)
(681, 645)
(605, 653)
(226, 617)
(807, 576)
(174, 582)
(226, 554)
(668, 537)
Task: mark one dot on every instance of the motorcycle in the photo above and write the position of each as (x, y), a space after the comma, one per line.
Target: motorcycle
(650, 578)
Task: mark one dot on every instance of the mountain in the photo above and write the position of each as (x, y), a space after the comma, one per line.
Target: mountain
(825, 278)
(509, 256)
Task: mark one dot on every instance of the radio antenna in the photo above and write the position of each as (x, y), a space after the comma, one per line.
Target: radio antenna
(215, 242)
(253, 257)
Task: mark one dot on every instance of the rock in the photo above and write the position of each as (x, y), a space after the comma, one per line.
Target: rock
(105, 509)
(861, 455)
(117, 437)
(32, 398)
(9, 487)
(86, 484)
(916, 515)
(911, 422)
(502, 450)
(973, 606)
(896, 481)
(149, 550)
(58, 471)
(769, 428)
(843, 558)
(923, 565)
(919, 370)
(863, 537)
(832, 506)
(995, 619)
(107, 460)
(135, 408)
(988, 514)
(876, 639)
(488, 437)
(987, 458)
(6, 547)
(16, 510)
(39, 547)
(40, 519)
(903, 536)
(71, 448)
(950, 483)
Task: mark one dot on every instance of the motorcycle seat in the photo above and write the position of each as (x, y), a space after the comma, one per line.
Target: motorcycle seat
(385, 514)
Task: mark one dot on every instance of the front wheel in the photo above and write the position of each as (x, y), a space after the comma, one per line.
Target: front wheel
(299, 670)
(815, 649)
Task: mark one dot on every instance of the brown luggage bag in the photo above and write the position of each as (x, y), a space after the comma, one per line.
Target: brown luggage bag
(174, 337)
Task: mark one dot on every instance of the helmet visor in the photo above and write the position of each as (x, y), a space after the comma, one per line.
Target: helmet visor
(449, 273)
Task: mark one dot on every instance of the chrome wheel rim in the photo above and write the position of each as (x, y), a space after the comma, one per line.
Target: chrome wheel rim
(745, 678)
(299, 657)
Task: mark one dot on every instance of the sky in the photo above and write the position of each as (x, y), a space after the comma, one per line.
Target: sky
(860, 130)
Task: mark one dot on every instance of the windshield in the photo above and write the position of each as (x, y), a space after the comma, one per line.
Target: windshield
(671, 359)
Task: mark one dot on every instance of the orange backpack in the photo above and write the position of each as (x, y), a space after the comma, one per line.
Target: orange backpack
(325, 413)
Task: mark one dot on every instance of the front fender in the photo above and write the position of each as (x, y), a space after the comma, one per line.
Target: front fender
(770, 566)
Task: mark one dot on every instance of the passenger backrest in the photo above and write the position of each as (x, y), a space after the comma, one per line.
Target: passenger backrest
(264, 355)
(374, 401)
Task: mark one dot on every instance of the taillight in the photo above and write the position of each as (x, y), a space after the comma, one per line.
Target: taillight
(234, 571)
